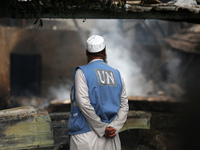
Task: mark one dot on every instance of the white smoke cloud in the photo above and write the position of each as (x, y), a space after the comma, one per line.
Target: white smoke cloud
(120, 51)
(118, 55)
(61, 92)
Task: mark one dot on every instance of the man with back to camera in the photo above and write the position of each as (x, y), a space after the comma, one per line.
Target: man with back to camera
(99, 105)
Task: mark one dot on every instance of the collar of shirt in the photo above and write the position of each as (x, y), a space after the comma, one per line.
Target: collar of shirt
(95, 60)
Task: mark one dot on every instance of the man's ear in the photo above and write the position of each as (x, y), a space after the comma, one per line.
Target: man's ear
(105, 52)
(86, 52)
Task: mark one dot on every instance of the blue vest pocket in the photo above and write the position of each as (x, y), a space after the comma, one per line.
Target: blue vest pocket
(76, 120)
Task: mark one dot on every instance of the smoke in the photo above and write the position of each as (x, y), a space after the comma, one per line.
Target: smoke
(57, 93)
(173, 64)
(61, 92)
(145, 62)
(118, 48)
(171, 75)
(132, 60)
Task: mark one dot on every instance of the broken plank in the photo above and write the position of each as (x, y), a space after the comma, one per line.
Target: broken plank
(25, 127)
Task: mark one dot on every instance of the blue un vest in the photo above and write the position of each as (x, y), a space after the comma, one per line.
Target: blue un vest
(105, 87)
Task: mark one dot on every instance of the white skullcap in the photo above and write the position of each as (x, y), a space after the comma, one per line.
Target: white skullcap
(95, 44)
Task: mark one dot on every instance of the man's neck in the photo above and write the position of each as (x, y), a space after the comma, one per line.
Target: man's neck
(93, 58)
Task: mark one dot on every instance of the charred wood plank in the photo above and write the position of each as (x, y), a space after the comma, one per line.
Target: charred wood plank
(155, 104)
(25, 127)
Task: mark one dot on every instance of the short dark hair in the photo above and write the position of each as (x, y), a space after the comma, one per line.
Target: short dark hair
(96, 54)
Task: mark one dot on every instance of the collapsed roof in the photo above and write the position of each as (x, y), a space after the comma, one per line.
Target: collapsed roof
(188, 40)
(187, 10)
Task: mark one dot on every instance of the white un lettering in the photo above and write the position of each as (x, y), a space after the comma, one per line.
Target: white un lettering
(101, 77)
(105, 77)
(110, 77)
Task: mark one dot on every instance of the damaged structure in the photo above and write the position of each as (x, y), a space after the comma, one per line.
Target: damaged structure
(30, 60)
